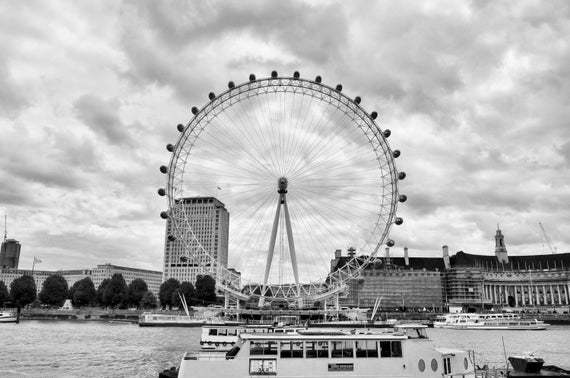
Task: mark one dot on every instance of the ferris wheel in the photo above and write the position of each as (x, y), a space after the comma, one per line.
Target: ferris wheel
(303, 171)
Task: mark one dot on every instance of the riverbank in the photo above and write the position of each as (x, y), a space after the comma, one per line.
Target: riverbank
(85, 314)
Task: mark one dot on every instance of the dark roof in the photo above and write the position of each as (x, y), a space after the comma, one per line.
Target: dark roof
(559, 260)
(429, 263)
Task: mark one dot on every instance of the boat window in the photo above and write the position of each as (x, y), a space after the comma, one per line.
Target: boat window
(263, 348)
(263, 367)
(316, 349)
(390, 348)
(342, 349)
(446, 365)
(213, 332)
(232, 332)
(291, 349)
(366, 348)
(222, 332)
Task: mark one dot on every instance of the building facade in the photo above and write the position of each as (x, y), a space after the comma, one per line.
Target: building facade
(470, 281)
(10, 254)
(152, 278)
(209, 222)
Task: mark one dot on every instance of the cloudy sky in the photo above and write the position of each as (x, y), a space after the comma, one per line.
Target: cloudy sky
(476, 95)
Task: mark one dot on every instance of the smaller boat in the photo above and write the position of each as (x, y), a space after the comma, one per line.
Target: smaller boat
(149, 319)
(533, 367)
(489, 321)
(8, 317)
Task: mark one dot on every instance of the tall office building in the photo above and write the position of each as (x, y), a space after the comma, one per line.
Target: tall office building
(10, 254)
(209, 221)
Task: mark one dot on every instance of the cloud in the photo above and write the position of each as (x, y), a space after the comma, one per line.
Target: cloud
(102, 117)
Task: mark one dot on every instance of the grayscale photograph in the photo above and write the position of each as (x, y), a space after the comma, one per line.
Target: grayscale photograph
(294, 188)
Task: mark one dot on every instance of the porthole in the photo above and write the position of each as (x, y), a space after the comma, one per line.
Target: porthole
(434, 364)
(421, 365)
(466, 363)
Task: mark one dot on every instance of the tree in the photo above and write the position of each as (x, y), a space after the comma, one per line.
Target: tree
(4, 295)
(101, 292)
(205, 289)
(187, 290)
(83, 293)
(116, 291)
(137, 288)
(168, 288)
(148, 300)
(23, 291)
(54, 290)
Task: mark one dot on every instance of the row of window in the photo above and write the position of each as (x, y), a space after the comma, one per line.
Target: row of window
(321, 349)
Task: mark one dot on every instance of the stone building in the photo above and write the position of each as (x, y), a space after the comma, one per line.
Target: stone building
(470, 281)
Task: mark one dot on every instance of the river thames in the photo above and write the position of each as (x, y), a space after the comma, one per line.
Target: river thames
(96, 349)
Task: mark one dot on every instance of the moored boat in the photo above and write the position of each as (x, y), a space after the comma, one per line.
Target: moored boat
(533, 367)
(404, 352)
(8, 317)
(489, 321)
(148, 319)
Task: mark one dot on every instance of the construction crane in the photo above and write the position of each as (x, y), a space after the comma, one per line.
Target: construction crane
(547, 239)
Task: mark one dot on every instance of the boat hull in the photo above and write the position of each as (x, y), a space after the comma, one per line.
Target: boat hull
(494, 328)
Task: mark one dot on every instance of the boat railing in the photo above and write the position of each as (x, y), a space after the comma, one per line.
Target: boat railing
(207, 355)
(491, 373)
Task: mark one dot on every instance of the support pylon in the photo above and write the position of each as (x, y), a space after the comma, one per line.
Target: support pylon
(282, 202)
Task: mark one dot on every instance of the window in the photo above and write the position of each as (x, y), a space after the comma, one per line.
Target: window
(368, 348)
(263, 348)
(213, 332)
(263, 367)
(446, 365)
(390, 349)
(342, 349)
(316, 349)
(291, 349)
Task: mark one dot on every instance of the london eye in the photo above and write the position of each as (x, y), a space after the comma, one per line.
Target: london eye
(303, 169)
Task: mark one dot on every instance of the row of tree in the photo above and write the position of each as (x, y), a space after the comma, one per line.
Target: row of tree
(112, 292)
(204, 293)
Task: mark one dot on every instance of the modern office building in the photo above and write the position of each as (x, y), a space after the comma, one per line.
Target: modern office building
(10, 254)
(209, 222)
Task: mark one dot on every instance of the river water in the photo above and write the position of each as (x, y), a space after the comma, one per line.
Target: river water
(101, 349)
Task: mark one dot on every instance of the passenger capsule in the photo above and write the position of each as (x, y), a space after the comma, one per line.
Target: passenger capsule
(169, 147)
(402, 198)
(386, 133)
(231, 85)
(318, 79)
(163, 169)
(398, 221)
(339, 87)
(161, 192)
(357, 100)
(390, 243)
(395, 153)
(296, 74)
(194, 110)
(401, 175)
(211, 96)
(251, 77)
(373, 115)
(274, 74)
(164, 215)
(180, 127)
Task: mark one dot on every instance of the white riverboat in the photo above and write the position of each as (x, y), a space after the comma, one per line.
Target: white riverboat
(149, 319)
(490, 321)
(222, 337)
(8, 317)
(404, 352)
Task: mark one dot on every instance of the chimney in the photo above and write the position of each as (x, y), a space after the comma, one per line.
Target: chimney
(337, 254)
(387, 256)
(446, 257)
(406, 258)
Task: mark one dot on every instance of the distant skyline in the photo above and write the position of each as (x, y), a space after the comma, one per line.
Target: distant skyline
(476, 95)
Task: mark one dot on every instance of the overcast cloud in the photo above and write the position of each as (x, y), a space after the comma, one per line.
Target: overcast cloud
(476, 95)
